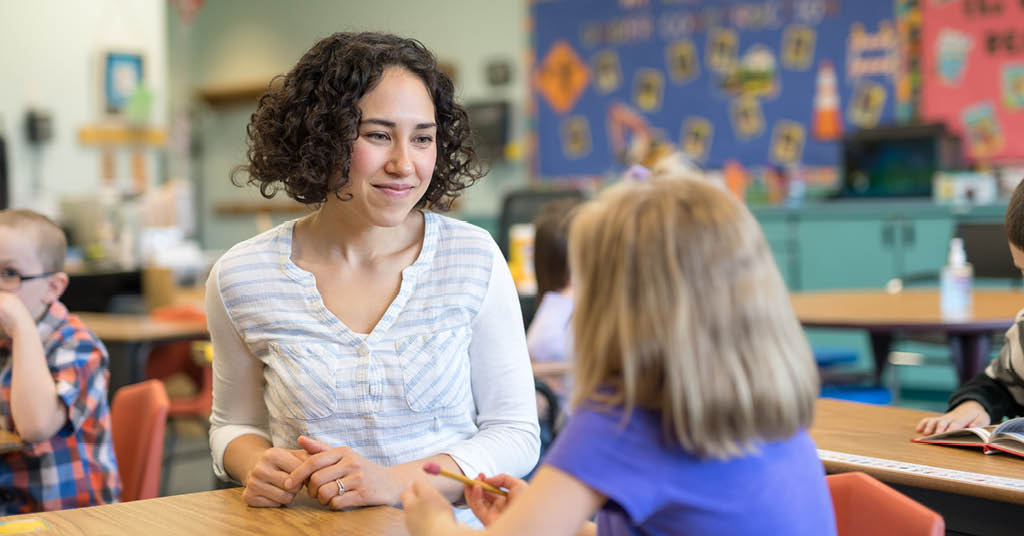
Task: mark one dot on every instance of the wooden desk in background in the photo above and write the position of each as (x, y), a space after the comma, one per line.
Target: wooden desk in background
(214, 513)
(884, 315)
(553, 372)
(977, 493)
(129, 338)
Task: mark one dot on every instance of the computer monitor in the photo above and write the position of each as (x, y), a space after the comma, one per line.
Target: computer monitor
(897, 161)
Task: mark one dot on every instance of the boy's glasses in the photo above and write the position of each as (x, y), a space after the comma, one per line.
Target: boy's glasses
(10, 280)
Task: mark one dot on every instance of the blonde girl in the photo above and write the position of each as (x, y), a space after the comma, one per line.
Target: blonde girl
(694, 384)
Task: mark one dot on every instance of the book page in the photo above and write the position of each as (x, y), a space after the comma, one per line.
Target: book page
(1012, 443)
(967, 435)
(1012, 426)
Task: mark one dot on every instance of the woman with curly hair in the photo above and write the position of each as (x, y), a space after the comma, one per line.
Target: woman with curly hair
(373, 335)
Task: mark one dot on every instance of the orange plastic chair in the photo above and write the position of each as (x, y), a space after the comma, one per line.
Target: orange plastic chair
(866, 507)
(138, 417)
(180, 357)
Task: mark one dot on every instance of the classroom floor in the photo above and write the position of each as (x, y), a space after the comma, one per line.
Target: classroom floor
(191, 468)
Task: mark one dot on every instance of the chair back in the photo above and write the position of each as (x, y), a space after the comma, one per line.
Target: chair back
(986, 250)
(866, 507)
(139, 418)
(522, 206)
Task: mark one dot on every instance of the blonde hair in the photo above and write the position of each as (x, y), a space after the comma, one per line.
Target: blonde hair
(681, 309)
(51, 244)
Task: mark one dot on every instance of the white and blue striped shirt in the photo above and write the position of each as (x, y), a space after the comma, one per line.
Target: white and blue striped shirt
(445, 370)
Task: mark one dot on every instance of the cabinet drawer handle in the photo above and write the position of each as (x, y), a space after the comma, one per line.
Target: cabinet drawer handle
(887, 234)
(908, 234)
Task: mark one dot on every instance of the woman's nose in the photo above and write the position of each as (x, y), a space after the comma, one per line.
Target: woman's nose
(400, 164)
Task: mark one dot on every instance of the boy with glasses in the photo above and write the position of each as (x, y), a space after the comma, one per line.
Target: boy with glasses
(53, 379)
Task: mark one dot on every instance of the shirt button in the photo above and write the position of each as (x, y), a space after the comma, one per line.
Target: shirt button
(364, 350)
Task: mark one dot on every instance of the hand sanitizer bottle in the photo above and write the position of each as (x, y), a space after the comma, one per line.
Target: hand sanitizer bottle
(955, 283)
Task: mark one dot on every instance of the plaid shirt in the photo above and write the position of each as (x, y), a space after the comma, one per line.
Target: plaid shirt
(75, 467)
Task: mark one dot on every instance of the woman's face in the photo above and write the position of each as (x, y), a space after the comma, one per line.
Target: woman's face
(393, 157)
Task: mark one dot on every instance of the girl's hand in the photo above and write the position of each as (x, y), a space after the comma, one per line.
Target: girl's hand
(364, 482)
(265, 484)
(488, 506)
(426, 510)
(966, 415)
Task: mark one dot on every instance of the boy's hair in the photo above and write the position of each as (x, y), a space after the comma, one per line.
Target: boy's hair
(681, 309)
(1015, 217)
(550, 245)
(51, 244)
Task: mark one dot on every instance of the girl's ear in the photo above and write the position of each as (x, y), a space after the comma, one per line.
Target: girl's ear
(56, 285)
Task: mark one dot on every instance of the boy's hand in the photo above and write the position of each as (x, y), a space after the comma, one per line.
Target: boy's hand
(13, 315)
(967, 415)
(488, 506)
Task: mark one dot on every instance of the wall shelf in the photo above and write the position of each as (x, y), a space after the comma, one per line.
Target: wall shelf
(235, 93)
(121, 134)
(249, 208)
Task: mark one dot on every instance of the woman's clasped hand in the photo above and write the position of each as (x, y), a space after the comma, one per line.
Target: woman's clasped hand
(338, 477)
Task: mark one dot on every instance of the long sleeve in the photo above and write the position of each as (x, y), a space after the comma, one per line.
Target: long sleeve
(1000, 388)
(238, 406)
(508, 439)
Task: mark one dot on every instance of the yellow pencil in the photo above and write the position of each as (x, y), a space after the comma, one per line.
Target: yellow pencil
(435, 469)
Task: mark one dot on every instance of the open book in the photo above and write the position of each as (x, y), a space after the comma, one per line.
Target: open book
(1006, 437)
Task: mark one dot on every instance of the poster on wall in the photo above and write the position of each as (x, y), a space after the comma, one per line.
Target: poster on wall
(973, 74)
(763, 83)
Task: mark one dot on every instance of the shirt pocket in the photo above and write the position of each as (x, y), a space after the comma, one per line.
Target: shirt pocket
(435, 369)
(301, 381)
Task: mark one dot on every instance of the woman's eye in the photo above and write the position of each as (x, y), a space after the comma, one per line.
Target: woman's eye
(424, 140)
(376, 136)
(9, 273)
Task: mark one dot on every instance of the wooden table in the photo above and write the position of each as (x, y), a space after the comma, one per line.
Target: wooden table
(884, 433)
(976, 493)
(883, 315)
(553, 372)
(213, 513)
(133, 336)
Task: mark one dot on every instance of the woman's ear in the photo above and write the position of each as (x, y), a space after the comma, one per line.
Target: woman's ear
(56, 285)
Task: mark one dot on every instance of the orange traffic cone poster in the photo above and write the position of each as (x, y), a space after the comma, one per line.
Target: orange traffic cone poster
(827, 117)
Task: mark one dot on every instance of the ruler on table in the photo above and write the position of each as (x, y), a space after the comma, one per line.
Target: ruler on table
(1015, 484)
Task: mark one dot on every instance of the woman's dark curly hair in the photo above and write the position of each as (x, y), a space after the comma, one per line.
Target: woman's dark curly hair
(301, 134)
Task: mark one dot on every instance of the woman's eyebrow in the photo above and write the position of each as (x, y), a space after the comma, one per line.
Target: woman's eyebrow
(392, 124)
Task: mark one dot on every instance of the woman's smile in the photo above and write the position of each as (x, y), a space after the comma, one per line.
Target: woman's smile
(395, 190)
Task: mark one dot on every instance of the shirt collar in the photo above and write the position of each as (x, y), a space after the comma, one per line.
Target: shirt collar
(55, 317)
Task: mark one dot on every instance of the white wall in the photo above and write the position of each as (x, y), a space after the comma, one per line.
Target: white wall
(50, 51)
(235, 41)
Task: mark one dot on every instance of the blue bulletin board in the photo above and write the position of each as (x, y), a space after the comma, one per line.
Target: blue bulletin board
(767, 83)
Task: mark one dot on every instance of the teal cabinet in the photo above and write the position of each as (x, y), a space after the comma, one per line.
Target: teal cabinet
(866, 252)
(780, 233)
(845, 253)
(924, 244)
(862, 244)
